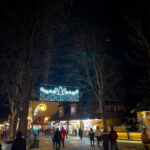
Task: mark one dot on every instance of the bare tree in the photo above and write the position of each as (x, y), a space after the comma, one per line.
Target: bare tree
(139, 35)
(97, 69)
(26, 60)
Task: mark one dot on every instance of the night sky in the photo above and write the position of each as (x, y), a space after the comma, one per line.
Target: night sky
(108, 14)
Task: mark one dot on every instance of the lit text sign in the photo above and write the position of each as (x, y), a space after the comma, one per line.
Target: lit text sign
(60, 93)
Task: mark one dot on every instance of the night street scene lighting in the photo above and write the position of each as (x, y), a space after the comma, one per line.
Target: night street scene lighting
(59, 94)
(75, 74)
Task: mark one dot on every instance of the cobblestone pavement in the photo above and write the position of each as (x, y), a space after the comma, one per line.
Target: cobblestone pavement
(74, 143)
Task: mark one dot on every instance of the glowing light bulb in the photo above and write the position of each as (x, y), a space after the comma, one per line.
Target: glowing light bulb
(46, 119)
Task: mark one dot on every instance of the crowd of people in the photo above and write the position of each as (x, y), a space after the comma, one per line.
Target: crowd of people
(58, 138)
(104, 137)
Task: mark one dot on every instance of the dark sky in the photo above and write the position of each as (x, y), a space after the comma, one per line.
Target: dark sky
(112, 15)
(92, 13)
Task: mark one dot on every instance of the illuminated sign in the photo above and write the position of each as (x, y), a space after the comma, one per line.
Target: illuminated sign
(39, 108)
(60, 93)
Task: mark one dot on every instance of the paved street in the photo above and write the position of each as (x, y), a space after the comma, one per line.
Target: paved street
(74, 143)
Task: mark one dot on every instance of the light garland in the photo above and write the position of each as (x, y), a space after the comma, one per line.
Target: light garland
(59, 94)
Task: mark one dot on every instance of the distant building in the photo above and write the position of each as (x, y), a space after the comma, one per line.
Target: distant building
(60, 107)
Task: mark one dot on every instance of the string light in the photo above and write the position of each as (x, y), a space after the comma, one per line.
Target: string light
(59, 94)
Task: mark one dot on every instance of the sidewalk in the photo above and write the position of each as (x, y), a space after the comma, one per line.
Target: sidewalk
(74, 143)
(45, 144)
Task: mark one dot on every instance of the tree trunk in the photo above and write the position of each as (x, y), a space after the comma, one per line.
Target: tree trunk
(26, 91)
(101, 106)
(102, 111)
(103, 119)
(23, 120)
(13, 123)
(25, 102)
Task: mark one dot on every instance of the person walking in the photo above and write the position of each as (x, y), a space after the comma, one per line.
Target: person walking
(67, 132)
(63, 135)
(105, 138)
(98, 133)
(113, 139)
(145, 139)
(52, 135)
(75, 132)
(91, 136)
(57, 139)
(80, 133)
(19, 143)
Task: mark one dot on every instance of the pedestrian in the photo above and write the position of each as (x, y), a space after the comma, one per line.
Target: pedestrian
(80, 133)
(52, 135)
(113, 139)
(98, 133)
(63, 135)
(145, 139)
(91, 136)
(105, 138)
(57, 139)
(67, 132)
(19, 143)
(75, 132)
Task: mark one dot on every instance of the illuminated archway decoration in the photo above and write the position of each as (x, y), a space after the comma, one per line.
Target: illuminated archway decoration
(39, 108)
(59, 93)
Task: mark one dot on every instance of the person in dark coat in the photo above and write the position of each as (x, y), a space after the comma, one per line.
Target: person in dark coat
(75, 132)
(80, 133)
(113, 139)
(57, 139)
(19, 143)
(91, 136)
(105, 138)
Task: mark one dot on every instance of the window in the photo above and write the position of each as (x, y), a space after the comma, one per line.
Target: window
(73, 109)
(61, 111)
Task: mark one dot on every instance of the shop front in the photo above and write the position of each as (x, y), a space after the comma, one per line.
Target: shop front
(144, 118)
(71, 125)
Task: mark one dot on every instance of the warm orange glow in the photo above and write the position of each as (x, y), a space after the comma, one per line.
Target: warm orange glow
(132, 135)
(135, 136)
(46, 119)
(42, 108)
(122, 135)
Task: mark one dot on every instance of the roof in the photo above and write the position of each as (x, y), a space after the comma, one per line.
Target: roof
(144, 105)
(78, 116)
